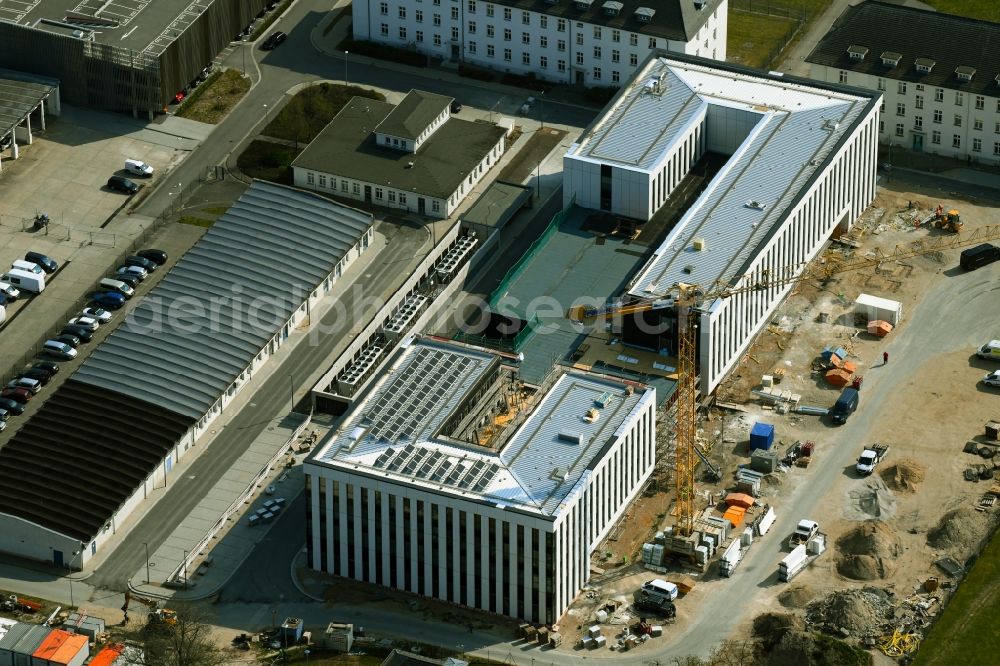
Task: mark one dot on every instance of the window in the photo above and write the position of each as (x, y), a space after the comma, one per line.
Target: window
(935, 137)
(472, 27)
(507, 56)
(881, 84)
(437, 40)
(996, 147)
(977, 124)
(561, 65)
(597, 32)
(356, 188)
(543, 41)
(616, 36)
(489, 31)
(506, 13)
(419, 16)
(454, 34)
(454, 13)
(652, 42)
(402, 198)
(579, 57)
(597, 73)
(938, 116)
(956, 140)
(543, 22)
(920, 101)
(383, 8)
(489, 9)
(392, 196)
(525, 18)
(958, 120)
(543, 62)
(959, 98)
(384, 29)
(561, 25)
(939, 94)
(918, 122)
(525, 58)
(597, 53)
(996, 128)
(615, 76)
(616, 55)
(980, 102)
(437, 19)
(920, 87)
(506, 34)
(490, 51)
(525, 38)
(977, 145)
(633, 59)
(402, 12)
(419, 35)
(900, 109)
(579, 39)
(472, 47)
(472, 10)
(402, 34)
(561, 45)
(378, 192)
(310, 177)
(899, 129)
(881, 127)
(901, 87)
(435, 205)
(633, 40)
(843, 76)
(343, 186)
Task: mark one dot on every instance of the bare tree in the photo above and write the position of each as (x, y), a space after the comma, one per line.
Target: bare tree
(181, 638)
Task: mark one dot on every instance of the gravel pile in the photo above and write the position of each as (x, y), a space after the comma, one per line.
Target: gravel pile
(868, 551)
(861, 613)
(960, 531)
(796, 597)
(905, 475)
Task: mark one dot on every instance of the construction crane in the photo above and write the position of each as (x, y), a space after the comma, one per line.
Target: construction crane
(686, 298)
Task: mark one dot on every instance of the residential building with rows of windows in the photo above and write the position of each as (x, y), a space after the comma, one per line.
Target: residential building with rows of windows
(939, 75)
(411, 156)
(453, 479)
(586, 42)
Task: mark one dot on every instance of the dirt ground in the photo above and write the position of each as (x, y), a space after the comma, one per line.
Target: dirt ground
(887, 530)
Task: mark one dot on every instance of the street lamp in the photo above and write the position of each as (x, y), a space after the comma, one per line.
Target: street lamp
(76, 553)
(265, 116)
(146, 545)
(306, 653)
(346, 53)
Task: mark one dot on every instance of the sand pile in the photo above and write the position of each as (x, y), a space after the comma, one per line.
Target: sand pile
(904, 475)
(855, 612)
(796, 597)
(960, 531)
(873, 499)
(867, 552)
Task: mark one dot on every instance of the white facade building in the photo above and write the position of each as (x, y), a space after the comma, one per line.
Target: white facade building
(939, 76)
(801, 164)
(585, 42)
(424, 491)
(412, 156)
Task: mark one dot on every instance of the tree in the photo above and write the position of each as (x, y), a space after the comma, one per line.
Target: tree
(185, 639)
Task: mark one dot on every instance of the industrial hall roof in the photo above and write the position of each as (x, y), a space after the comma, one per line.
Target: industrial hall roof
(78, 459)
(346, 147)
(194, 334)
(20, 94)
(413, 114)
(393, 432)
(678, 20)
(781, 130)
(887, 40)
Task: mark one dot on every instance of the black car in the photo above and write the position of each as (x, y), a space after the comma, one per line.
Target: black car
(456, 106)
(128, 278)
(68, 339)
(39, 375)
(122, 184)
(47, 367)
(47, 263)
(273, 41)
(12, 406)
(136, 260)
(85, 334)
(158, 257)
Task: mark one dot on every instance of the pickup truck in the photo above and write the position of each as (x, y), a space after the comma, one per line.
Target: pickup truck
(871, 457)
(804, 531)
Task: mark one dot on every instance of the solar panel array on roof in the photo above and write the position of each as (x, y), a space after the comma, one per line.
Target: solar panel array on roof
(226, 299)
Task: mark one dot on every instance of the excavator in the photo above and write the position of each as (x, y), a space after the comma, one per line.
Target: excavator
(157, 616)
(950, 221)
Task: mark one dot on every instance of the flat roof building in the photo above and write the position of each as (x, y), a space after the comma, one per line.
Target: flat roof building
(798, 162)
(452, 480)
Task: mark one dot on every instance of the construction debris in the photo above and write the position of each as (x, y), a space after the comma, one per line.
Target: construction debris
(865, 613)
(960, 532)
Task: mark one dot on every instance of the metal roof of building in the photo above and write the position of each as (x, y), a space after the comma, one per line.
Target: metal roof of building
(204, 323)
(20, 93)
(535, 470)
(413, 114)
(908, 35)
(798, 126)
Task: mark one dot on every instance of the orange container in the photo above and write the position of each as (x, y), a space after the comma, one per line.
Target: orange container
(735, 515)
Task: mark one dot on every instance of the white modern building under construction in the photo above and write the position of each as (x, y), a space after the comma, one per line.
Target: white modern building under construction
(795, 162)
(452, 479)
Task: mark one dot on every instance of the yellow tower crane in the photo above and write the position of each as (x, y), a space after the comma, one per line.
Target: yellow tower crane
(686, 298)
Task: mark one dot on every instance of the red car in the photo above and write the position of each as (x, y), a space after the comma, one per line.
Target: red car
(22, 395)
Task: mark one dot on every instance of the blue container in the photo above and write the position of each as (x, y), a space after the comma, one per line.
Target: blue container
(761, 436)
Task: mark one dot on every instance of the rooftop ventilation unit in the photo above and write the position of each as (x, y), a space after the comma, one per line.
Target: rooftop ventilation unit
(456, 256)
(592, 415)
(571, 436)
(603, 400)
(699, 244)
(756, 205)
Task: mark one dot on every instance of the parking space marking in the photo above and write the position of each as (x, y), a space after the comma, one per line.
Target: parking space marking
(121, 10)
(176, 27)
(18, 8)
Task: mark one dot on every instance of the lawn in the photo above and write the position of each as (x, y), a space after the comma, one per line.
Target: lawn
(754, 39)
(212, 100)
(987, 10)
(268, 161)
(306, 114)
(967, 630)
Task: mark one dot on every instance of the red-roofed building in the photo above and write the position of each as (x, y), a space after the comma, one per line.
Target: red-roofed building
(61, 648)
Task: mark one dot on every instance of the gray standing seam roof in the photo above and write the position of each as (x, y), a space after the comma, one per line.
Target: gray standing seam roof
(202, 325)
(19, 94)
(413, 114)
(15, 633)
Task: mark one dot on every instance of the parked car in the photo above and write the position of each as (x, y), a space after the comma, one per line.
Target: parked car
(48, 264)
(58, 349)
(86, 322)
(10, 291)
(135, 271)
(82, 332)
(138, 168)
(122, 184)
(47, 366)
(128, 278)
(21, 395)
(40, 376)
(158, 257)
(992, 379)
(3, 426)
(273, 41)
(101, 315)
(32, 385)
(456, 106)
(142, 262)
(4, 414)
(68, 339)
(108, 300)
(13, 407)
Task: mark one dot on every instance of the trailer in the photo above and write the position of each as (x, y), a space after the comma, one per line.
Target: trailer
(870, 458)
(801, 557)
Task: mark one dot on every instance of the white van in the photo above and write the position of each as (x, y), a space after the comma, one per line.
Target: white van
(112, 284)
(660, 587)
(138, 168)
(27, 266)
(8, 290)
(990, 350)
(24, 281)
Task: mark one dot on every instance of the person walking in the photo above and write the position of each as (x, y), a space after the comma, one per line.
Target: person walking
(885, 358)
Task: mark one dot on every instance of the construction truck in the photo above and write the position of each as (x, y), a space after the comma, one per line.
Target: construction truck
(950, 221)
(801, 556)
(871, 457)
(162, 617)
(803, 532)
